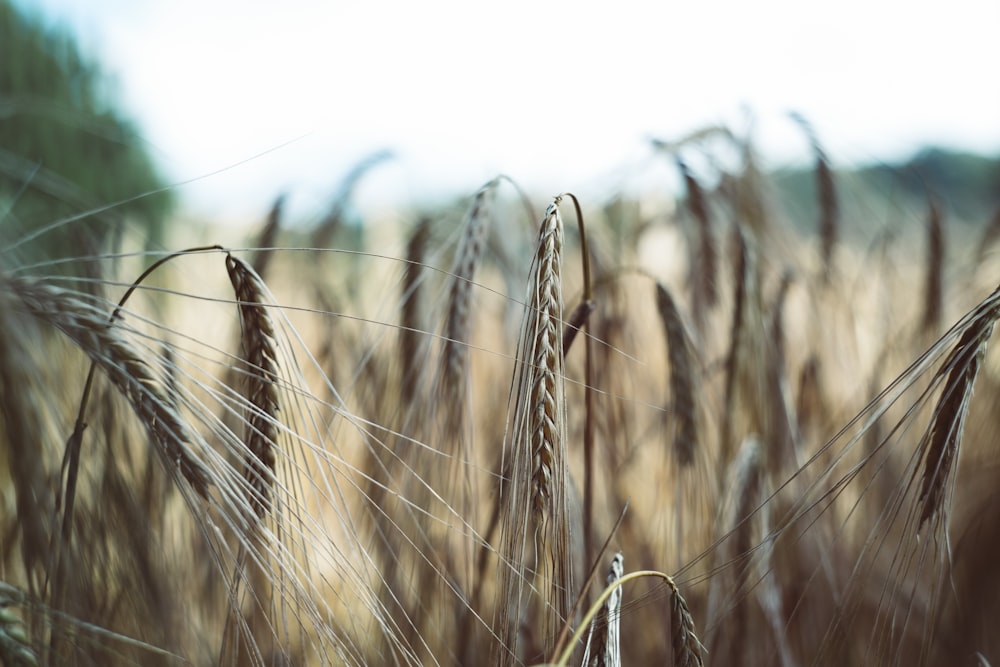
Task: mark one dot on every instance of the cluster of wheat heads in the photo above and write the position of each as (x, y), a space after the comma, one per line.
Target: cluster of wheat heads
(428, 452)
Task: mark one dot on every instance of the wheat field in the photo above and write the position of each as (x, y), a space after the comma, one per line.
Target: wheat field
(526, 432)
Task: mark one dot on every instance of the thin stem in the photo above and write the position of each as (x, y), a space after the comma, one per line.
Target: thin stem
(71, 457)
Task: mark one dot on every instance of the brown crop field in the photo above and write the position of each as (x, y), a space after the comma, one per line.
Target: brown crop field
(513, 432)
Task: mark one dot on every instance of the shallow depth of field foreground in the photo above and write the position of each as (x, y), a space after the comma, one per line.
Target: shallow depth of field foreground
(736, 430)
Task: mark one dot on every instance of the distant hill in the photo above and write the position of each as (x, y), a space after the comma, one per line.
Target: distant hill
(966, 185)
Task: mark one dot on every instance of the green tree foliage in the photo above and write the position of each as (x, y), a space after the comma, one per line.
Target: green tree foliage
(64, 149)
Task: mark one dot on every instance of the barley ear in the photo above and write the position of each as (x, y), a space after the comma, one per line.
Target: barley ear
(943, 437)
(544, 395)
(123, 365)
(411, 323)
(682, 380)
(334, 220)
(268, 235)
(933, 288)
(826, 193)
(688, 649)
(458, 322)
(735, 358)
(703, 279)
(261, 382)
(535, 572)
(603, 642)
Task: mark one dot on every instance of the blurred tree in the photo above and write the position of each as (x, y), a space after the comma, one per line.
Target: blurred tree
(64, 149)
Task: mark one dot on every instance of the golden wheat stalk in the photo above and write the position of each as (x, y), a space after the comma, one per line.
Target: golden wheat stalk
(261, 382)
(735, 358)
(535, 528)
(458, 322)
(411, 320)
(265, 242)
(688, 649)
(933, 287)
(603, 640)
(128, 371)
(704, 267)
(682, 377)
(545, 382)
(943, 437)
(737, 549)
(826, 193)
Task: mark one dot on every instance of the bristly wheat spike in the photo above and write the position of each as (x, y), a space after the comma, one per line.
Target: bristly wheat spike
(410, 335)
(933, 289)
(688, 649)
(546, 363)
(537, 581)
(603, 641)
(261, 383)
(126, 369)
(265, 242)
(682, 378)
(944, 435)
(458, 321)
(826, 192)
(704, 287)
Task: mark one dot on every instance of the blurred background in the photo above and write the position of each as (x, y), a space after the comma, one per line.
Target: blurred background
(240, 101)
(818, 256)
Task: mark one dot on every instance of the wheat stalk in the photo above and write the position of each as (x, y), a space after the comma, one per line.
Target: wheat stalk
(826, 193)
(459, 317)
(745, 476)
(261, 382)
(944, 435)
(933, 290)
(704, 284)
(743, 271)
(688, 649)
(535, 529)
(265, 242)
(576, 322)
(411, 323)
(544, 402)
(682, 378)
(126, 369)
(603, 641)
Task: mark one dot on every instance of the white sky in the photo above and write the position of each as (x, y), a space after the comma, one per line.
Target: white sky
(559, 95)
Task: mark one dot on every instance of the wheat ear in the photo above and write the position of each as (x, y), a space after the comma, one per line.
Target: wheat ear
(603, 641)
(704, 284)
(411, 322)
(535, 529)
(547, 361)
(826, 193)
(944, 435)
(265, 242)
(459, 317)
(933, 290)
(261, 382)
(743, 272)
(126, 369)
(688, 649)
(682, 379)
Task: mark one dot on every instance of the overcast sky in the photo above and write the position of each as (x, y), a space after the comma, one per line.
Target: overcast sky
(558, 95)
